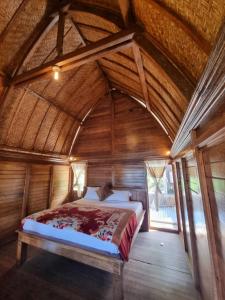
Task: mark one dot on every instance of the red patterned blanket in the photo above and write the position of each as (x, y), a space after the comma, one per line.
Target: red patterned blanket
(116, 225)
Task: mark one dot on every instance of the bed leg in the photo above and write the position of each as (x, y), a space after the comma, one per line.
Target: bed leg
(21, 254)
(118, 287)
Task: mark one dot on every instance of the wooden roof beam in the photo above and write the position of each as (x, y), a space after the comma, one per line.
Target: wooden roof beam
(92, 52)
(60, 33)
(140, 68)
(126, 12)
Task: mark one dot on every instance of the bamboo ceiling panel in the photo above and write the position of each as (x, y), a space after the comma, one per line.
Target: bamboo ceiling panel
(205, 15)
(174, 39)
(20, 30)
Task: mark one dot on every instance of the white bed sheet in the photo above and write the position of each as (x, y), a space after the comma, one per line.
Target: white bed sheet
(79, 238)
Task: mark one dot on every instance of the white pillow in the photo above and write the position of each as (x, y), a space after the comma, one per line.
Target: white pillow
(119, 196)
(91, 193)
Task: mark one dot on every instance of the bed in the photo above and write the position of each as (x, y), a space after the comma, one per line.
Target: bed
(110, 253)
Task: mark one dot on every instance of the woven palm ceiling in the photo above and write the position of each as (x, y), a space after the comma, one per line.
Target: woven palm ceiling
(161, 68)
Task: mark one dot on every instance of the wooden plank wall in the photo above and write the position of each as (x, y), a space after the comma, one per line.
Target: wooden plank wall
(60, 185)
(39, 188)
(129, 175)
(12, 180)
(39, 195)
(121, 127)
(214, 158)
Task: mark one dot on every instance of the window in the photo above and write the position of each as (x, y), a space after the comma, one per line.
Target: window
(79, 181)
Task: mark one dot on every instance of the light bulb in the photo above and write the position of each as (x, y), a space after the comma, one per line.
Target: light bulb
(56, 70)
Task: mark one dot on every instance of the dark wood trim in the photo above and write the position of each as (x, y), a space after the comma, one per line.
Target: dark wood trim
(194, 249)
(60, 33)
(126, 12)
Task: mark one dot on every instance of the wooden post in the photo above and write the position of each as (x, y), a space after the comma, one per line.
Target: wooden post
(70, 185)
(26, 191)
(208, 217)
(191, 224)
(21, 254)
(180, 196)
(50, 187)
(176, 198)
(118, 293)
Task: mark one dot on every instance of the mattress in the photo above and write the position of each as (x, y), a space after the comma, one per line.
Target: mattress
(81, 239)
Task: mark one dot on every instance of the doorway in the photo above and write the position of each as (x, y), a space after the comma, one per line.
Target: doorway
(162, 203)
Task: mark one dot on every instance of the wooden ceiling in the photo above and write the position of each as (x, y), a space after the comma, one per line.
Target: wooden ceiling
(159, 62)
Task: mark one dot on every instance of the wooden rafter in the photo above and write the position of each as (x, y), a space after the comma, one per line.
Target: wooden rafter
(43, 31)
(140, 68)
(126, 11)
(116, 42)
(60, 33)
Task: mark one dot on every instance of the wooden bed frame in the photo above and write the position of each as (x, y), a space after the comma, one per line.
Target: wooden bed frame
(98, 260)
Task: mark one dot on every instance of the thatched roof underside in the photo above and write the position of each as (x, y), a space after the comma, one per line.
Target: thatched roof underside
(44, 115)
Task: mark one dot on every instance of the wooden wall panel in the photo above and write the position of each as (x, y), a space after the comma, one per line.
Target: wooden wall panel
(130, 175)
(39, 188)
(123, 175)
(95, 137)
(60, 185)
(12, 179)
(121, 126)
(215, 173)
(207, 283)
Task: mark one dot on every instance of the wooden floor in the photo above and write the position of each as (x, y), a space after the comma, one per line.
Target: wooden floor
(154, 272)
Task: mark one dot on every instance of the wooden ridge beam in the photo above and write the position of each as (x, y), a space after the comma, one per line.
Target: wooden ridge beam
(92, 52)
(140, 68)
